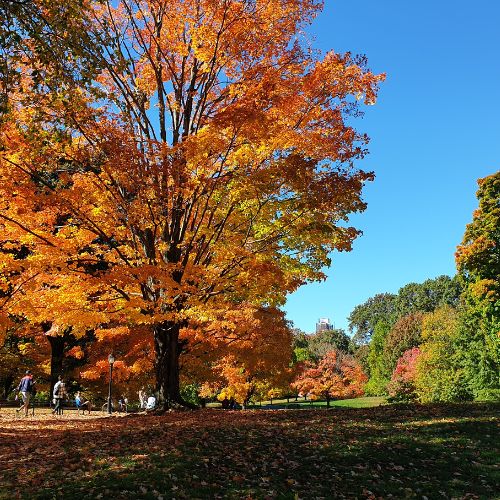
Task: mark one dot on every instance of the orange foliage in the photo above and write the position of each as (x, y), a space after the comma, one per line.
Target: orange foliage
(198, 159)
(242, 355)
(335, 376)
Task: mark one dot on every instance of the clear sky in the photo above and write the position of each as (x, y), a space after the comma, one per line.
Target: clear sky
(434, 131)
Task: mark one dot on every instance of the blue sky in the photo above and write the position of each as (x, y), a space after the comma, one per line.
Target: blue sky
(434, 131)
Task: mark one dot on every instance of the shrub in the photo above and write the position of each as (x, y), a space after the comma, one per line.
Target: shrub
(489, 395)
(401, 388)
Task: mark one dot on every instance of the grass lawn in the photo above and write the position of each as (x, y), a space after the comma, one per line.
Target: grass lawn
(435, 451)
(367, 402)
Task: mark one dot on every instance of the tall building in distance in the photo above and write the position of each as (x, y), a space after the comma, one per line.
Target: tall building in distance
(323, 324)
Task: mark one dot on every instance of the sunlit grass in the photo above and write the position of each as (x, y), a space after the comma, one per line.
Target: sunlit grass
(301, 402)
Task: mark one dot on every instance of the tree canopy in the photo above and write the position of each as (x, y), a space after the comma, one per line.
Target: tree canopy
(364, 317)
(478, 263)
(164, 162)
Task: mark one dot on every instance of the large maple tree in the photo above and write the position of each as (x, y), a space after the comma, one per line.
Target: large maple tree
(164, 160)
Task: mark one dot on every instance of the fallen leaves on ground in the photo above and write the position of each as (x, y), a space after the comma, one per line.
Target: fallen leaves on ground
(439, 451)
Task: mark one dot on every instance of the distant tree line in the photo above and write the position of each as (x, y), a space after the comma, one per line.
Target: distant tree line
(440, 340)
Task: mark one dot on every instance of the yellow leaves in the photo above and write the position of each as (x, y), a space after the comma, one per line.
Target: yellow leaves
(486, 289)
(110, 333)
(141, 366)
(92, 373)
(146, 82)
(230, 205)
(96, 211)
(442, 323)
(24, 347)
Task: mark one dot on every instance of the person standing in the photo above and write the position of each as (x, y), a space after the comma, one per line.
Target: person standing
(78, 402)
(59, 394)
(142, 399)
(25, 388)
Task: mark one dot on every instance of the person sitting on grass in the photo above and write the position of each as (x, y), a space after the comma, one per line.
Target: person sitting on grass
(151, 403)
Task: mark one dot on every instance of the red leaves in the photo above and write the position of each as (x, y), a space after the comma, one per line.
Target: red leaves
(337, 375)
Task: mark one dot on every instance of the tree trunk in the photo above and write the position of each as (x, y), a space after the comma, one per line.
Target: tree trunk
(8, 385)
(57, 344)
(168, 350)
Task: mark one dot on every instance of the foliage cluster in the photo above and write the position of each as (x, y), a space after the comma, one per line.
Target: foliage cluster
(169, 173)
(440, 340)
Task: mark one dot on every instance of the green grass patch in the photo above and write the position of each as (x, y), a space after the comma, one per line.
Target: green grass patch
(367, 402)
(292, 403)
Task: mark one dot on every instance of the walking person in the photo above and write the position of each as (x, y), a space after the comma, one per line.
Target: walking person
(25, 388)
(59, 394)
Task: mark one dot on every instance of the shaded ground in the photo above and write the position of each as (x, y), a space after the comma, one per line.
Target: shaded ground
(445, 451)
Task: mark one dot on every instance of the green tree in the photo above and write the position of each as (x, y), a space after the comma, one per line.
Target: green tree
(437, 376)
(428, 296)
(300, 347)
(379, 371)
(478, 262)
(361, 352)
(364, 317)
(327, 340)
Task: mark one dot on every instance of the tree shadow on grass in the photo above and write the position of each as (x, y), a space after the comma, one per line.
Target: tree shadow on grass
(406, 452)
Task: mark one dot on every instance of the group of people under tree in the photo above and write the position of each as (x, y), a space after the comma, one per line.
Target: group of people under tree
(26, 391)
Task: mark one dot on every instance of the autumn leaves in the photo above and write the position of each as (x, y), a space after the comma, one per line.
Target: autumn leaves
(166, 164)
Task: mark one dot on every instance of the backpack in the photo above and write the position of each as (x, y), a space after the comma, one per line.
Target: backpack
(62, 391)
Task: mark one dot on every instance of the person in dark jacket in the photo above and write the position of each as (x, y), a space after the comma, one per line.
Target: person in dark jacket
(25, 389)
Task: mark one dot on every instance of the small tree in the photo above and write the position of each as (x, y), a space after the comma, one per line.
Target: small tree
(336, 375)
(380, 372)
(402, 384)
(405, 334)
(438, 375)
